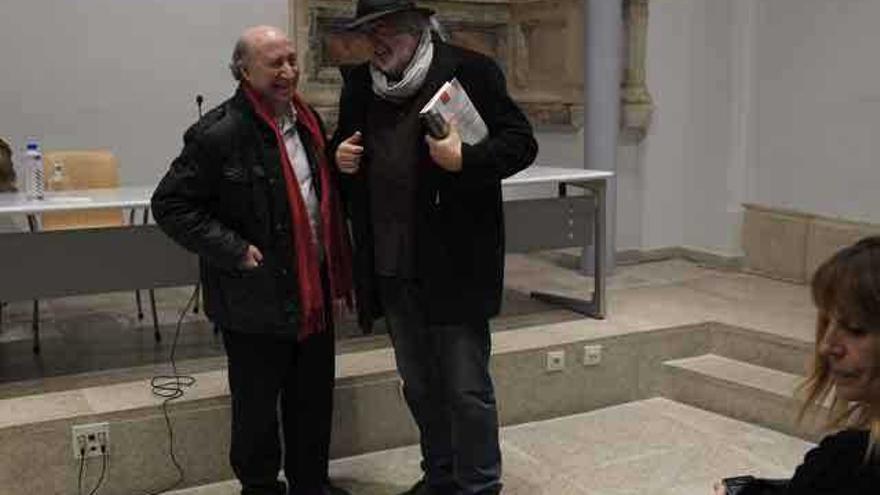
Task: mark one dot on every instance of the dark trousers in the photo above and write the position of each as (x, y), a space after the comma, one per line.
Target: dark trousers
(445, 371)
(268, 373)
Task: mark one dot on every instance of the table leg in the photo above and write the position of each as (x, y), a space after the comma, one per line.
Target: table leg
(36, 326)
(594, 307)
(156, 334)
(137, 292)
(35, 319)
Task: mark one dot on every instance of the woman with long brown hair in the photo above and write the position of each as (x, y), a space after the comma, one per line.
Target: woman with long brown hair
(846, 375)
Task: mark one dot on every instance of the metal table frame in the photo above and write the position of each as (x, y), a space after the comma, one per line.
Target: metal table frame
(596, 306)
(138, 199)
(595, 183)
(132, 198)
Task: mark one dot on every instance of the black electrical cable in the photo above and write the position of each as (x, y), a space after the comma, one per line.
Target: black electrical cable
(169, 387)
(82, 466)
(173, 387)
(103, 471)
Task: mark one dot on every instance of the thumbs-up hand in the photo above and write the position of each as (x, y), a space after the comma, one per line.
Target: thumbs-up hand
(348, 154)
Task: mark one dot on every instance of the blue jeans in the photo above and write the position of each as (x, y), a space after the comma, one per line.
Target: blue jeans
(446, 382)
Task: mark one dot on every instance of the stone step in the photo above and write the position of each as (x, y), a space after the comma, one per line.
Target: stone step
(370, 412)
(741, 390)
(763, 349)
(672, 448)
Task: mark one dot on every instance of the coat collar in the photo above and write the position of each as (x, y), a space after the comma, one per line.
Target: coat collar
(442, 69)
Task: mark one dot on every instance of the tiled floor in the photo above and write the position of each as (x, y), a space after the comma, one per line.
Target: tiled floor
(675, 292)
(655, 446)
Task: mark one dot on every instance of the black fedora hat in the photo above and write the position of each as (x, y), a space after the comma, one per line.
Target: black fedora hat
(370, 10)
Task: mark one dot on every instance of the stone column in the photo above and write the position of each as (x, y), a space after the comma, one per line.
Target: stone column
(602, 74)
(637, 103)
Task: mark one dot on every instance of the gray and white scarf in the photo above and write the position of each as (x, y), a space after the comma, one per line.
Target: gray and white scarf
(413, 76)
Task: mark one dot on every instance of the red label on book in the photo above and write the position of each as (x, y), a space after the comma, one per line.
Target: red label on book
(444, 97)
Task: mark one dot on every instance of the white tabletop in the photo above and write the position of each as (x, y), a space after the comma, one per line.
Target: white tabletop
(139, 196)
(554, 175)
(86, 199)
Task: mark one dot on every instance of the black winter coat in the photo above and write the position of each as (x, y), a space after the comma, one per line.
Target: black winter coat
(838, 466)
(460, 236)
(225, 191)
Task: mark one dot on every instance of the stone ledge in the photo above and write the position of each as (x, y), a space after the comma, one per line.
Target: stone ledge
(790, 245)
(370, 412)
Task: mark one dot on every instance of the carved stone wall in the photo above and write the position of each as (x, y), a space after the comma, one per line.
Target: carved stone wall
(548, 62)
(537, 43)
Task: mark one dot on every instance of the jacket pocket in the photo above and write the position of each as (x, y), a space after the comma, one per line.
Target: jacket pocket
(250, 297)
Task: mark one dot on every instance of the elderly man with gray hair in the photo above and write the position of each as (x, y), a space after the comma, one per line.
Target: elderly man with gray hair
(254, 196)
(428, 230)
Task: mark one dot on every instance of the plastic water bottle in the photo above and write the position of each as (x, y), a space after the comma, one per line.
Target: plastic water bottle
(33, 168)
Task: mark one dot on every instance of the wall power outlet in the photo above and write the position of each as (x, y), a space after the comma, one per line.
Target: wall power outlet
(92, 440)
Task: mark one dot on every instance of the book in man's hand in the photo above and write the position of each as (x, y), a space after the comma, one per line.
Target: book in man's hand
(452, 104)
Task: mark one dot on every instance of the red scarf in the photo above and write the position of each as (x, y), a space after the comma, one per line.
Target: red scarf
(336, 244)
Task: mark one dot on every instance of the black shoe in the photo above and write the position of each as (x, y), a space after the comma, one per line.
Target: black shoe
(423, 488)
(330, 489)
(325, 489)
(277, 488)
(420, 488)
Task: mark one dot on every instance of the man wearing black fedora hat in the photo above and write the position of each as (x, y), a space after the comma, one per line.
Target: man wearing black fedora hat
(427, 224)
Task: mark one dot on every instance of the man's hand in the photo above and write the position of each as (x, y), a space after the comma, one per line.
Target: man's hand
(446, 152)
(719, 489)
(348, 154)
(252, 258)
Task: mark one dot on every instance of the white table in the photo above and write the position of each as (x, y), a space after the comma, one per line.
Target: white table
(84, 256)
(86, 199)
(595, 182)
(133, 198)
(557, 175)
(78, 259)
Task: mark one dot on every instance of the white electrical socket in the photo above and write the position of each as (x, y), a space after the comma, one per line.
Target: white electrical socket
(92, 440)
(592, 355)
(555, 360)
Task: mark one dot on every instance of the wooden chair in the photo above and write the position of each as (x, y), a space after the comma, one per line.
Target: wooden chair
(92, 169)
(97, 169)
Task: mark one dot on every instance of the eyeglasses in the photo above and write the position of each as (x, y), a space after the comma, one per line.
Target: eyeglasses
(380, 28)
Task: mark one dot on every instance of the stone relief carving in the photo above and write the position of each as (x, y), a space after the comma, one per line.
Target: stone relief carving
(538, 44)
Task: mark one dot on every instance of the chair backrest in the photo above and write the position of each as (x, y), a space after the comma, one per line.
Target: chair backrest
(97, 169)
